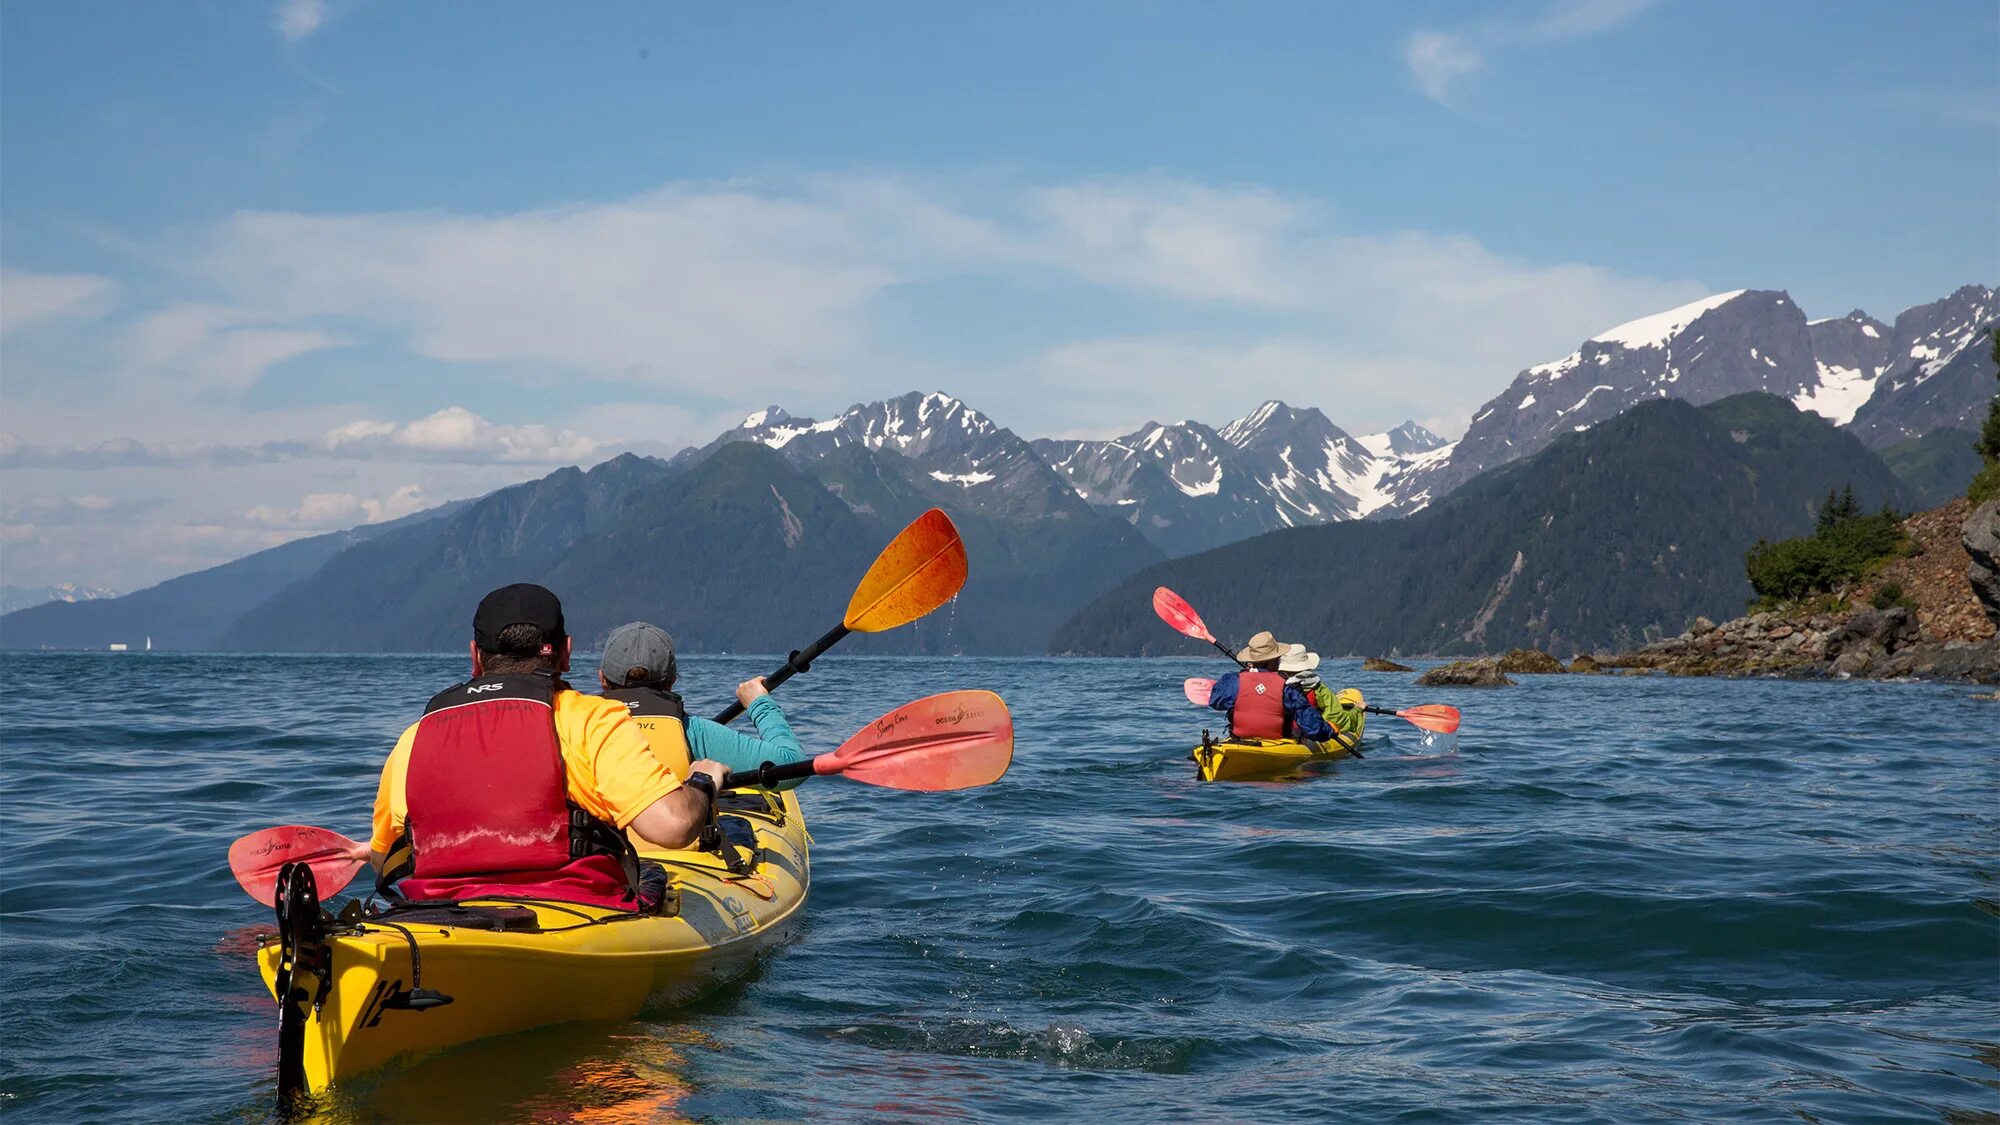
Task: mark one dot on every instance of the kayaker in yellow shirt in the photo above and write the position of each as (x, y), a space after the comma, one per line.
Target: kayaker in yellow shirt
(514, 785)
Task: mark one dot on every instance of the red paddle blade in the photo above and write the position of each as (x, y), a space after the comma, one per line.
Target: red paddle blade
(1174, 610)
(1432, 716)
(1198, 690)
(256, 859)
(958, 740)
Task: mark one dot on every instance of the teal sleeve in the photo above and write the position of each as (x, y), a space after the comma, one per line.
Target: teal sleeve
(740, 752)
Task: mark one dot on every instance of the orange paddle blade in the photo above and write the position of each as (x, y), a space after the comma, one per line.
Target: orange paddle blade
(1174, 610)
(917, 572)
(1198, 690)
(958, 740)
(1432, 716)
(256, 859)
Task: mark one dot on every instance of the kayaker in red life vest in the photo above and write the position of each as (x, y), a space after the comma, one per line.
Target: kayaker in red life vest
(514, 785)
(1259, 702)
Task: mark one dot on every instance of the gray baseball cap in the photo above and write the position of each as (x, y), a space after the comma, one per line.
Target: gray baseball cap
(638, 645)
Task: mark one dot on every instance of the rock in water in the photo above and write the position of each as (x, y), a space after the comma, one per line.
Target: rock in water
(1585, 664)
(1465, 673)
(1982, 542)
(1528, 660)
(1377, 664)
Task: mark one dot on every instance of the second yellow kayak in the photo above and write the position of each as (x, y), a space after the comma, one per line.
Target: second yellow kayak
(1229, 759)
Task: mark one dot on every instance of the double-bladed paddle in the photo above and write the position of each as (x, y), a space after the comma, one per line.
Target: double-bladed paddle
(920, 570)
(1430, 716)
(957, 740)
(1177, 613)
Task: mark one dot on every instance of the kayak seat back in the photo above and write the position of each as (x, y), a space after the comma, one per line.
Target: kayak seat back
(499, 919)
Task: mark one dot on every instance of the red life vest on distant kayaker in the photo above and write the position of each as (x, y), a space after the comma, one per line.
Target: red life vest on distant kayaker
(488, 803)
(1259, 711)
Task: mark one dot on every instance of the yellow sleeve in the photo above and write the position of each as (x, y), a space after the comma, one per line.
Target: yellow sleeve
(392, 806)
(613, 772)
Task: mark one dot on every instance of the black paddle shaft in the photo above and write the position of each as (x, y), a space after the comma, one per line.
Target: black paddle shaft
(767, 775)
(799, 661)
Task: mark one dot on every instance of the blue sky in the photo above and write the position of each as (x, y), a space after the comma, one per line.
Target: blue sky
(307, 264)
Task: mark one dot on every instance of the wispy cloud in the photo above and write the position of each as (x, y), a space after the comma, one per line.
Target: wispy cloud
(35, 298)
(298, 19)
(453, 435)
(88, 508)
(1438, 59)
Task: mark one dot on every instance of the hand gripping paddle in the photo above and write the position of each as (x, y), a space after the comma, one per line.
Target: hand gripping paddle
(256, 859)
(920, 570)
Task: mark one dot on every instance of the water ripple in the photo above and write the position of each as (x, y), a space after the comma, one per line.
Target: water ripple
(1620, 899)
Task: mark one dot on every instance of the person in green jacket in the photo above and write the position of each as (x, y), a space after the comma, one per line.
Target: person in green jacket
(1342, 709)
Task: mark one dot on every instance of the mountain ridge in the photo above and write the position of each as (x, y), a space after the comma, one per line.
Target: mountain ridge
(1606, 536)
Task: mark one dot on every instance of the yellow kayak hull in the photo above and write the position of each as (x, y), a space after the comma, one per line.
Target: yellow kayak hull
(1231, 759)
(585, 963)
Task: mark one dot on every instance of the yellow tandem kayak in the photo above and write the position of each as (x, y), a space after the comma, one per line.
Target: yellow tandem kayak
(366, 991)
(1229, 759)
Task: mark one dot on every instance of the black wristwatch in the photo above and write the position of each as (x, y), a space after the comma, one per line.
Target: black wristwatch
(704, 783)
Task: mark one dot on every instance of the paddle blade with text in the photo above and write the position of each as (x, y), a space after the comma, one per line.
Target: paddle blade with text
(917, 572)
(1198, 691)
(958, 740)
(256, 859)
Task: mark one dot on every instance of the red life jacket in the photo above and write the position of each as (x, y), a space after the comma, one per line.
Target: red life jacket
(488, 803)
(1260, 707)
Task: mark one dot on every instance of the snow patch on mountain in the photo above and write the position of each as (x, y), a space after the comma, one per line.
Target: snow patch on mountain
(1654, 331)
(1841, 392)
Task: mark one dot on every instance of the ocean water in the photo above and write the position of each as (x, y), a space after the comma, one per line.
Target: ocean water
(1616, 899)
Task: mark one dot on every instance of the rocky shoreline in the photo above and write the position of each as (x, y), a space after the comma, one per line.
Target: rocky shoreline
(1931, 614)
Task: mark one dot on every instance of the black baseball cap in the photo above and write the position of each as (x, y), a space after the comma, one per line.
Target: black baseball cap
(523, 603)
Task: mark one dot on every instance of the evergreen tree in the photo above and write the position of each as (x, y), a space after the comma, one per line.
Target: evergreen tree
(1989, 435)
(1987, 484)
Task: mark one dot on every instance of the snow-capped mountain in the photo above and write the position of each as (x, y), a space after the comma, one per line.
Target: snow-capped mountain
(1938, 370)
(984, 466)
(1188, 487)
(22, 597)
(1406, 440)
(1888, 383)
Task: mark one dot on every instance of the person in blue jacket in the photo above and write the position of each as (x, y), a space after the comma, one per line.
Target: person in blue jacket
(1259, 702)
(639, 670)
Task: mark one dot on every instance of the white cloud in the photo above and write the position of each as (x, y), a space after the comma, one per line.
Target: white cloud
(1437, 59)
(297, 19)
(331, 511)
(457, 434)
(34, 298)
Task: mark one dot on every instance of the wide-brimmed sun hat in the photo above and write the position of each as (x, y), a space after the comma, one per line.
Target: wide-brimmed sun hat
(1262, 647)
(1298, 660)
